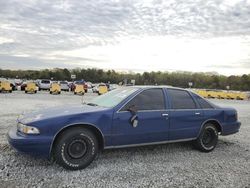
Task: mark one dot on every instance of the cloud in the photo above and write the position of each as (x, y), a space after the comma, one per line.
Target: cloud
(49, 29)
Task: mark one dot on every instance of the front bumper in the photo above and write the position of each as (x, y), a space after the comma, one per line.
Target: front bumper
(35, 145)
(230, 128)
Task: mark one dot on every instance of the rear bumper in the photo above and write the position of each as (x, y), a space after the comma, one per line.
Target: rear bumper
(231, 128)
(35, 145)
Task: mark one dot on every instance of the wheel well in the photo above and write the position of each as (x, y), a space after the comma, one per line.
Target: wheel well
(90, 127)
(217, 125)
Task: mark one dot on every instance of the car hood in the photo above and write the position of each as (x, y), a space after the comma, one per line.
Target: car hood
(57, 112)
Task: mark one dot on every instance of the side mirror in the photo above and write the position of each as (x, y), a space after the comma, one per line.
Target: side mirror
(132, 109)
(134, 119)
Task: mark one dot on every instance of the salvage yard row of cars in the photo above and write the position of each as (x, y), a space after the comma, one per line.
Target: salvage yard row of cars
(81, 87)
(54, 87)
(221, 94)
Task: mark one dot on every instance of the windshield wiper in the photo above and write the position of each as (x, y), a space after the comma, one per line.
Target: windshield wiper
(92, 104)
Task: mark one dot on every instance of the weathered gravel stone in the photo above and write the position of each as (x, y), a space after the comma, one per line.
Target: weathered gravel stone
(170, 165)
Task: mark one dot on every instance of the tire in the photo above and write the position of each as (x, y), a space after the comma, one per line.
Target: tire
(74, 93)
(207, 139)
(36, 91)
(26, 91)
(10, 91)
(67, 144)
(50, 92)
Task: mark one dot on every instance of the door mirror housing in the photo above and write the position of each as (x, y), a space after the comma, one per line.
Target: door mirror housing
(132, 109)
(134, 120)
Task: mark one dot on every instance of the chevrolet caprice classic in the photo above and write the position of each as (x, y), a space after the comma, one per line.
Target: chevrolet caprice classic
(124, 117)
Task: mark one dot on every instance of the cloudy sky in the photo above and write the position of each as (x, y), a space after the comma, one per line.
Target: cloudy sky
(137, 35)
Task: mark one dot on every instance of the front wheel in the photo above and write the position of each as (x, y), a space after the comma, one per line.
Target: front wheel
(76, 148)
(207, 139)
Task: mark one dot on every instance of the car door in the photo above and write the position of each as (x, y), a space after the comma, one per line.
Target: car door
(185, 116)
(153, 122)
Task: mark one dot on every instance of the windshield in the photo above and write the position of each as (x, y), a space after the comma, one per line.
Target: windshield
(112, 98)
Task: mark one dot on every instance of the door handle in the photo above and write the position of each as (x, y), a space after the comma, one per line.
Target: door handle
(164, 115)
(197, 113)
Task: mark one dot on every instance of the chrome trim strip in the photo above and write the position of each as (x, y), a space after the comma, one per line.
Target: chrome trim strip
(151, 143)
(74, 124)
(145, 111)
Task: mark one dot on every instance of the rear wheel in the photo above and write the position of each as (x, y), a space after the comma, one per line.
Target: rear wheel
(76, 148)
(207, 139)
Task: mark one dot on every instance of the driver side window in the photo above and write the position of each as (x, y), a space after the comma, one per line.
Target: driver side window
(150, 99)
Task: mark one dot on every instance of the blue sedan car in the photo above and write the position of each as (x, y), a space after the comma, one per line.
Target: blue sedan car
(125, 117)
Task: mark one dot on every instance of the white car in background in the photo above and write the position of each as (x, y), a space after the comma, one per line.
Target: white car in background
(44, 84)
(64, 85)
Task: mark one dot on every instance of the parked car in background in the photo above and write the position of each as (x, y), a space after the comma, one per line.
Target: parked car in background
(55, 88)
(89, 84)
(5, 86)
(23, 86)
(79, 82)
(124, 117)
(44, 84)
(95, 88)
(64, 85)
(31, 87)
(18, 82)
(113, 86)
(12, 84)
(102, 89)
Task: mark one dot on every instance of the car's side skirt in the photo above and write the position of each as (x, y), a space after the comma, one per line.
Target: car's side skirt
(151, 143)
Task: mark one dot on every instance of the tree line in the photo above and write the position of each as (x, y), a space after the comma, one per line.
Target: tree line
(178, 79)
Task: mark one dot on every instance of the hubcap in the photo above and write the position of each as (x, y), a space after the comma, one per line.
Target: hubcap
(77, 149)
(208, 138)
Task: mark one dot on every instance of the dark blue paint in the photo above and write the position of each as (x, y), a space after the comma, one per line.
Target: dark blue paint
(115, 126)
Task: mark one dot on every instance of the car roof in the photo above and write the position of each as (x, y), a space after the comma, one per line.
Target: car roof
(156, 86)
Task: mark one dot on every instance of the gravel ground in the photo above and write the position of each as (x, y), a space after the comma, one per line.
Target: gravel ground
(170, 165)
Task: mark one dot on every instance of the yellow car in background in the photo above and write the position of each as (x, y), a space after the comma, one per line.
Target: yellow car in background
(5, 86)
(222, 95)
(241, 96)
(202, 93)
(31, 87)
(79, 89)
(213, 94)
(102, 89)
(55, 88)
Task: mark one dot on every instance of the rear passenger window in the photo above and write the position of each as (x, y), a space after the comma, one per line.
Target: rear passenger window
(202, 102)
(181, 99)
(150, 99)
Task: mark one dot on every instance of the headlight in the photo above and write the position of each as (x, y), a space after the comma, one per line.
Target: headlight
(27, 129)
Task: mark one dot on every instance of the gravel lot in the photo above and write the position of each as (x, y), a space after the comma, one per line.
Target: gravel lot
(170, 165)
